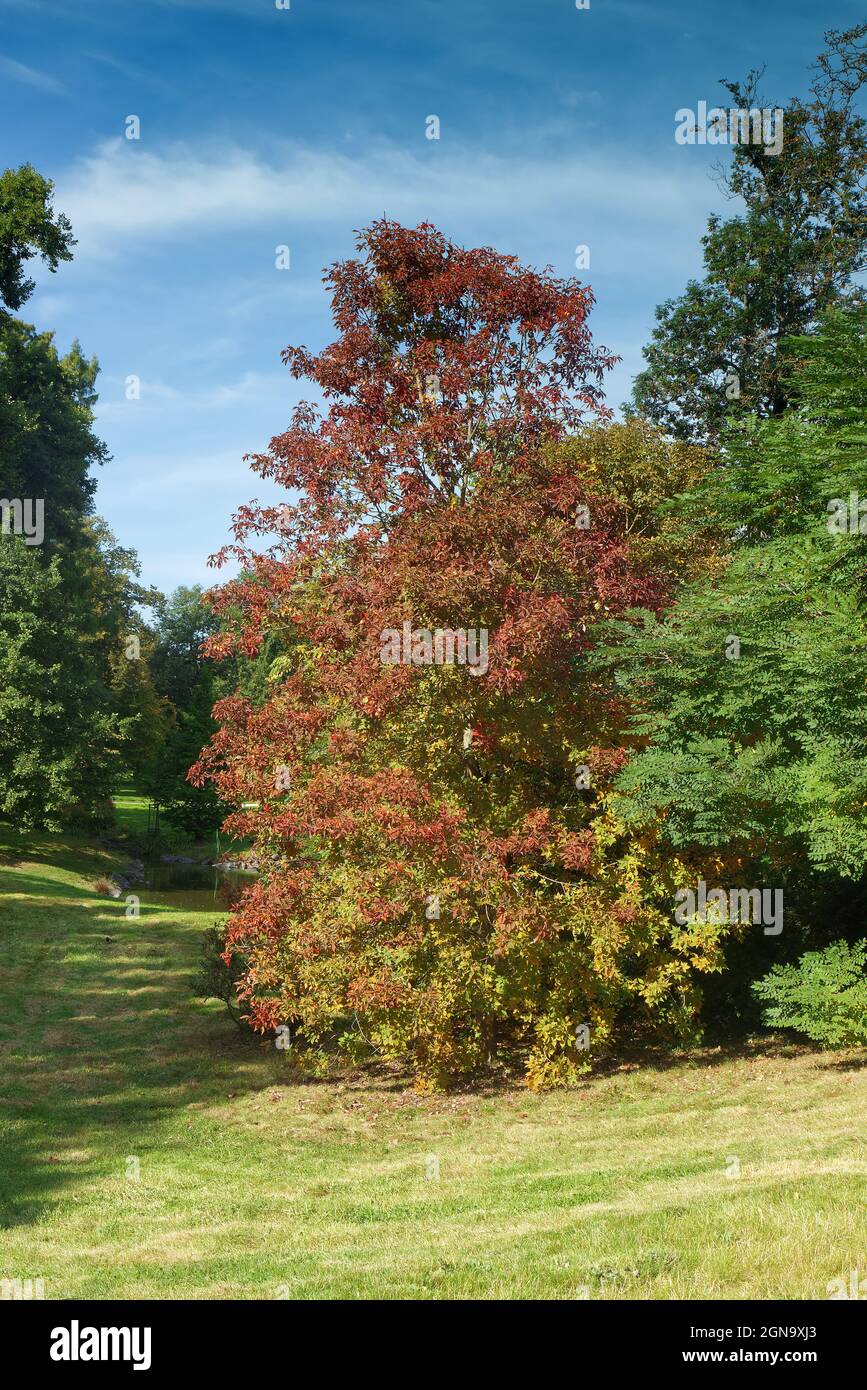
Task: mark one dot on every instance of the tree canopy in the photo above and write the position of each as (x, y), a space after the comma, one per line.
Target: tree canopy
(772, 270)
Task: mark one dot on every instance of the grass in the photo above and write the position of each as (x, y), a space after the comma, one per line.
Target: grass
(150, 1150)
(131, 813)
(131, 809)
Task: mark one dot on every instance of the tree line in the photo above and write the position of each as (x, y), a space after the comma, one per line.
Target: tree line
(101, 678)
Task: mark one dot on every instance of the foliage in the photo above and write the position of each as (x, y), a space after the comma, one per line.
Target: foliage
(215, 978)
(435, 887)
(824, 996)
(56, 721)
(772, 271)
(639, 470)
(28, 227)
(193, 809)
(47, 444)
(751, 691)
(184, 622)
(122, 642)
(74, 712)
(188, 687)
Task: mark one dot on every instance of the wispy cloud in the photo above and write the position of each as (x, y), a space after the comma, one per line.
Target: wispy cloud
(123, 191)
(161, 397)
(20, 72)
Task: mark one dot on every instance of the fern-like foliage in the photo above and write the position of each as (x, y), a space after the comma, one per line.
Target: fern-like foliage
(824, 996)
(751, 691)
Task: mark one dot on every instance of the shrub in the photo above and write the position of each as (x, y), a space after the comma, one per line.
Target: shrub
(824, 996)
(216, 979)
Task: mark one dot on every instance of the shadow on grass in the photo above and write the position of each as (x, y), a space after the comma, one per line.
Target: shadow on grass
(769, 1046)
(648, 1060)
(35, 885)
(857, 1061)
(102, 1044)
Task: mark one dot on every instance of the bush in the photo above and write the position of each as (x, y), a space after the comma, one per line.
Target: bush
(824, 996)
(216, 979)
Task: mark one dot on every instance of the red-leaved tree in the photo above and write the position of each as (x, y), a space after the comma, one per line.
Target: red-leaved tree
(442, 881)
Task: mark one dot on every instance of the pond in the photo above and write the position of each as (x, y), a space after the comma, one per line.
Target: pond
(189, 887)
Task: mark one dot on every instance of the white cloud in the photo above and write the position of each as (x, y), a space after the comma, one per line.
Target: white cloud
(124, 193)
(160, 397)
(47, 307)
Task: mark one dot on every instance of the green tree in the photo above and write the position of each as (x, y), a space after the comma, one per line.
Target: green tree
(772, 270)
(47, 443)
(70, 716)
(752, 689)
(184, 622)
(56, 719)
(188, 686)
(123, 643)
(28, 227)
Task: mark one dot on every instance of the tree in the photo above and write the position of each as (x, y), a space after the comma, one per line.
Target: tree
(69, 713)
(752, 690)
(28, 227)
(442, 877)
(824, 996)
(641, 472)
(123, 644)
(192, 809)
(56, 719)
(771, 272)
(187, 686)
(185, 622)
(47, 443)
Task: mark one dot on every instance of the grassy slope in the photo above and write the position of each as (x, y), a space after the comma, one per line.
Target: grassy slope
(252, 1185)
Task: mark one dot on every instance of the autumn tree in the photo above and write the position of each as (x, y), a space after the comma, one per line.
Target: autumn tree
(443, 880)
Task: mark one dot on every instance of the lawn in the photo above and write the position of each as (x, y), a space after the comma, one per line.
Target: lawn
(149, 1150)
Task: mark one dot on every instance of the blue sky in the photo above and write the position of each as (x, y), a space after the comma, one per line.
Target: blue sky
(263, 127)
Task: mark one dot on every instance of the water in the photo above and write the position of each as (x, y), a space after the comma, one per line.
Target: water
(190, 887)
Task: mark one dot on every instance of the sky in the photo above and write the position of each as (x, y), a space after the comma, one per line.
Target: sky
(263, 127)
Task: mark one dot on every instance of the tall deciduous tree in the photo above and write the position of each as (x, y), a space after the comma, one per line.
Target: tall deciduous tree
(442, 878)
(29, 227)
